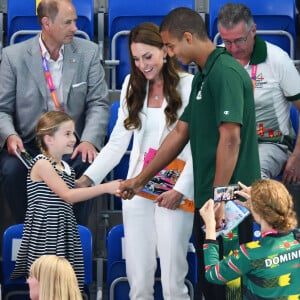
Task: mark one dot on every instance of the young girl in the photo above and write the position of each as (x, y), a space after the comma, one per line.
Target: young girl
(50, 225)
(52, 277)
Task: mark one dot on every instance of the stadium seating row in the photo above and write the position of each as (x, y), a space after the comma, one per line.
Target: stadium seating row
(276, 21)
(117, 283)
(17, 289)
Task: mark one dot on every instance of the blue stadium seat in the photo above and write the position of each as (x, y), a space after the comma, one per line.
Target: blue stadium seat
(85, 14)
(269, 15)
(1, 28)
(294, 116)
(118, 287)
(22, 21)
(122, 17)
(120, 171)
(87, 249)
(17, 289)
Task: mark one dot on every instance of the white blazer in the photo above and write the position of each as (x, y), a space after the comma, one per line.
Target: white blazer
(120, 138)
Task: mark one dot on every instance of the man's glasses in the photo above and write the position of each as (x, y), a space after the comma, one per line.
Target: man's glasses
(237, 42)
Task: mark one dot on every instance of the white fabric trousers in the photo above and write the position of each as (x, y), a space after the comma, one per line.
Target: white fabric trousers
(149, 231)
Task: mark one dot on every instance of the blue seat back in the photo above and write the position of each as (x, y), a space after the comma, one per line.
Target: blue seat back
(114, 248)
(114, 110)
(16, 289)
(268, 15)
(21, 15)
(121, 170)
(87, 249)
(10, 245)
(294, 116)
(11, 241)
(85, 14)
(124, 15)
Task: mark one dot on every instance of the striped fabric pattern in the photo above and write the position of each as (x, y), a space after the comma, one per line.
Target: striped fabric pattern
(50, 227)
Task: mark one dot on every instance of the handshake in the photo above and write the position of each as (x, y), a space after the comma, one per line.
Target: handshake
(126, 189)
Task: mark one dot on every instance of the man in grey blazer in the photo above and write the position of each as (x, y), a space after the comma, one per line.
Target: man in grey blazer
(53, 70)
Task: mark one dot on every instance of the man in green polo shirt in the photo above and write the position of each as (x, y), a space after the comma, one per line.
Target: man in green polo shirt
(219, 122)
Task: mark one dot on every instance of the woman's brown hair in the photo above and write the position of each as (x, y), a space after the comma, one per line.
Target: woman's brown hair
(148, 33)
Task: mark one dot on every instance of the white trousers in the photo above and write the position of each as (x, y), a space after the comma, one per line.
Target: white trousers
(149, 231)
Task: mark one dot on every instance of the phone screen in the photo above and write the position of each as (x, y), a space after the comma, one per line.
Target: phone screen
(226, 192)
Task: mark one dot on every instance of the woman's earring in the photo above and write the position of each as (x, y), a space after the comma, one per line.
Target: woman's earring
(165, 60)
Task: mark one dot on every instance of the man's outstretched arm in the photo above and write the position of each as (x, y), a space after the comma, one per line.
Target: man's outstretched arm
(168, 151)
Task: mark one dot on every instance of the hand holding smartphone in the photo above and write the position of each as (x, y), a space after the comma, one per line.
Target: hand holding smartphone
(226, 192)
(24, 156)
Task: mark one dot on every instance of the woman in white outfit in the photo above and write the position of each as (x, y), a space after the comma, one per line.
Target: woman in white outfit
(152, 99)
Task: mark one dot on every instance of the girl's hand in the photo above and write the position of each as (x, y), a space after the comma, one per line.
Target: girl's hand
(245, 192)
(207, 212)
(113, 186)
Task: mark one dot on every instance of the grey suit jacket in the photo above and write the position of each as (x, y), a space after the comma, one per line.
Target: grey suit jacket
(24, 93)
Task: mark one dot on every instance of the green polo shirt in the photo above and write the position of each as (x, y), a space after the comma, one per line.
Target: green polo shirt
(259, 54)
(221, 92)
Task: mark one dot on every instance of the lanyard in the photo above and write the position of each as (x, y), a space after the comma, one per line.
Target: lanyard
(50, 84)
(253, 75)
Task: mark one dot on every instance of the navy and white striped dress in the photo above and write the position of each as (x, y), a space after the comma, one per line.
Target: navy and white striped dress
(50, 226)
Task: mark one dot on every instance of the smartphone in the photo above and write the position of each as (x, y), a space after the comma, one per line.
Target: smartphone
(25, 157)
(226, 192)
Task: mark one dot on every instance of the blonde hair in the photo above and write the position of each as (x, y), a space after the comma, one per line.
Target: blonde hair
(56, 277)
(271, 200)
(48, 124)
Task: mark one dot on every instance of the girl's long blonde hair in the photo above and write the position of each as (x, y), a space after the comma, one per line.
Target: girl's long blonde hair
(56, 277)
